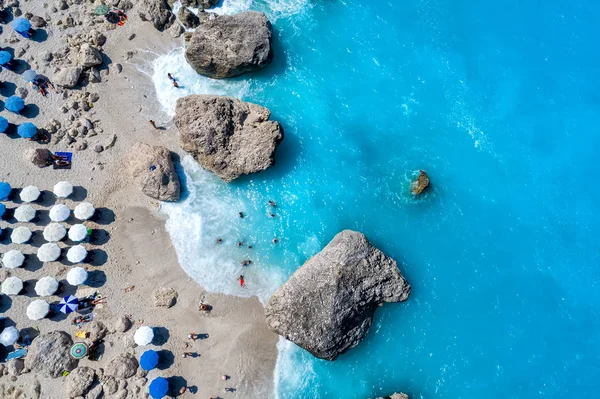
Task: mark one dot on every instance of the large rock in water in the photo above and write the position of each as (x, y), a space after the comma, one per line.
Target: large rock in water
(152, 169)
(420, 184)
(156, 11)
(230, 45)
(395, 396)
(327, 305)
(227, 136)
(50, 354)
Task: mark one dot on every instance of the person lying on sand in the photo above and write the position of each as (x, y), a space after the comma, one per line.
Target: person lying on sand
(204, 307)
(193, 336)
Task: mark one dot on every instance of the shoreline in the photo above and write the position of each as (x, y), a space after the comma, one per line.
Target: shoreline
(239, 343)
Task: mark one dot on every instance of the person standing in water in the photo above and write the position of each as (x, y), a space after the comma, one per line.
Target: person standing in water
(241, 280)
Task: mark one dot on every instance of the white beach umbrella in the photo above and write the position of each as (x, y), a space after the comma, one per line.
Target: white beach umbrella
(63, 189)
(143, 336)
(77, 232)
(38, 309)
(9, 336)
(84, 211)
(24, 213)
(12, 286)
(59, 213)
(48, 252)
(29, 194)
(46, 286)
(77, 276)
(76, 254)
(20, 235)
(13, 259)
(54, 232)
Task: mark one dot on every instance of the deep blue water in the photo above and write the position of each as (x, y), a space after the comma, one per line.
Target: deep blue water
(498, 102)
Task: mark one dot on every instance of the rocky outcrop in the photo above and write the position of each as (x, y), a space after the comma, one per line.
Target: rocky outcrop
(164, 297)
(96, 331)
(79, 381)
(50, 354)
(227, 136)
(38, 156)
(188, 18)
(327, 305)
(88, 56)
(157, 12)
(420, 184)
(122, 324)
(395, 396)
(230, 45)
(153, 171)
(202, 4)
(123, 366)
(68, 77)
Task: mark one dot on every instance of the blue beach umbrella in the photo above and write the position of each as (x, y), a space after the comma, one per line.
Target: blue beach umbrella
(158, 388)
(21, 25)
(3, 124)
(27, 130)
(14, 104)
(29, 75)
(2, 210)
(69, 304)
(5, 57)
(149, 360)
(5, 190)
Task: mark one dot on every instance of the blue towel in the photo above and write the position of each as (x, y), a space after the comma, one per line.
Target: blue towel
(67, 156)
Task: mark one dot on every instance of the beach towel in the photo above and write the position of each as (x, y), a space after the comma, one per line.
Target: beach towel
(67, 156)
(16, 354)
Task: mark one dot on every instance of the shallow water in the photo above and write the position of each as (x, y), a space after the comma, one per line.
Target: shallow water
(498, 103)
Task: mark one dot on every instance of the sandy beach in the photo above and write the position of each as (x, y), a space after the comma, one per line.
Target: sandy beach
(131, 246)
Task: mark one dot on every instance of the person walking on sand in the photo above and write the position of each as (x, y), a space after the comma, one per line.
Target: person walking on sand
(153, 124)
(241, 279)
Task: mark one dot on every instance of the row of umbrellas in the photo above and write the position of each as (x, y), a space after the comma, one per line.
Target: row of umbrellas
(58, 213)
(45, 286)
(48, 252)
(62, 189)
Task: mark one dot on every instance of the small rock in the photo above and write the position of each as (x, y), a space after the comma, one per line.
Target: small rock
(94, 97)
(123, 366)
(110, 385)
(111, 142)
(15, 366)
(421, 183)
(115, 68)
(97, 38)
(98, 148)
(95, 393)
(17, 12)
(38, 156)
(79, 381)
(88, 56)
(121, 394)
(93, 75)
(81, 146)
(140, 381)
(21, 92)
(97, 331)
(164, 297)
(188, 18)
(131, 37)
(176, 30)
(38, 22)
(122, 324)
(122, 384)
(68, 77)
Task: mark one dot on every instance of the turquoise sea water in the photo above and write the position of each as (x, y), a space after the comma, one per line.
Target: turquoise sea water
(498, 102)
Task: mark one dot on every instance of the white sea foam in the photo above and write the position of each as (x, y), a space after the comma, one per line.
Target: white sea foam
(294, 369)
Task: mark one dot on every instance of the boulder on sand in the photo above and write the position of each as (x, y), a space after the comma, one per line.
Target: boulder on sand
(50, 354)
(68, 77)
(327, 305)
(230, 45)
(156, 11)
(164, 297)
(38, 156)
(153, 171)
(420, 184)
(88, 56)
(123, 366)
(227, 136)
(79, 381)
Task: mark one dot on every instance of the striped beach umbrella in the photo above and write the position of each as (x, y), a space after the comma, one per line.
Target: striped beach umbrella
(79, 350)
(69, 304)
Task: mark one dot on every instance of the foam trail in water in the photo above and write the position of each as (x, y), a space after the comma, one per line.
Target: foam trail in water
(189, 81)
(209, 212)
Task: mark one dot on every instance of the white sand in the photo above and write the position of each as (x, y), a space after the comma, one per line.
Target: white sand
(137, 248)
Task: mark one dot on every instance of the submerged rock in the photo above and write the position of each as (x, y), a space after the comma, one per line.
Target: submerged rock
(230, 45)
(153, 171)
(395, 396)
(227, 136)
(157, 12)
(50, 354)
(420, 184)
(327, 305)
